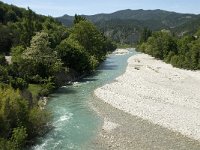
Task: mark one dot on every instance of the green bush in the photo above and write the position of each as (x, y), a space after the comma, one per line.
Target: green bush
(2, 60)
(18, 121)
(19, 136)
(38, 119)
(19, 83)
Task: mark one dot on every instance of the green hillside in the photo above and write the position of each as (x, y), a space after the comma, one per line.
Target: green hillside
(125, 26)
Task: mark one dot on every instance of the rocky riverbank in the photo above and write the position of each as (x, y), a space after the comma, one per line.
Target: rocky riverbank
(157, 107)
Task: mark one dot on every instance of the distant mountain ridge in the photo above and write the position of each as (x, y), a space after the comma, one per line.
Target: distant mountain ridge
(166, 17)
(125, 25)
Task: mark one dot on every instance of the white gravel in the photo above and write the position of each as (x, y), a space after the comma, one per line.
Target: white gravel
(109, 126)
(155, 91)
(8, 59)
(121, 51)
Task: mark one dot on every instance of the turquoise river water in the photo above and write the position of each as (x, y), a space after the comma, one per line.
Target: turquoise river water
(74, 121)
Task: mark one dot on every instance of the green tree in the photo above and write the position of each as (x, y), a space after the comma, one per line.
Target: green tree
(71, 52)
(90, 38)
(146, 33)
(56, 32)
(5, 39)
(2, 60)
(16, 53)
(26, 28)
(43, 59)
(4, 76)
(183, 44)
(19, 83)
(78, 18)
(160, 44)
(10, 16)
(183, 52)
(18, 121)
(13, 111)
(38, 121)
(195, 54)
(2, 14)
(19, 136)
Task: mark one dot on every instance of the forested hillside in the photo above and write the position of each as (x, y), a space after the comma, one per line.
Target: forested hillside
(44, 56)
(126, 26)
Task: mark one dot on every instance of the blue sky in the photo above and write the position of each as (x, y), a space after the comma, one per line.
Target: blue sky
(60, 7)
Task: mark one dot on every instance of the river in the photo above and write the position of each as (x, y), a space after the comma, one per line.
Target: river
(75, 122)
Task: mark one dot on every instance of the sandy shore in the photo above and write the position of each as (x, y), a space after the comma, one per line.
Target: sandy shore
(157, 92)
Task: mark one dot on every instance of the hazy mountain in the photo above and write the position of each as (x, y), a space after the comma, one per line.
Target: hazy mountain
(125, 26)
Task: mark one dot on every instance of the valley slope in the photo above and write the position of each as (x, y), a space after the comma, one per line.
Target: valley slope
(125, 26)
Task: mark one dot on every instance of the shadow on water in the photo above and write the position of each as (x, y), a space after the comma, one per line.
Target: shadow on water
(105, 66)
(88, 79)
(108, 67)
(64, 91)
(99, 71)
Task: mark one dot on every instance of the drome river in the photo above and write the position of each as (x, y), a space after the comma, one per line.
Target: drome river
(74, 121)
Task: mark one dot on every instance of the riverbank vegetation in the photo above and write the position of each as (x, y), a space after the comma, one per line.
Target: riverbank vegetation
(181, 52)
(44, 56)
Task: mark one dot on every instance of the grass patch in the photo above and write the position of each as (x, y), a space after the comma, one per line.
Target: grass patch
(34, 89)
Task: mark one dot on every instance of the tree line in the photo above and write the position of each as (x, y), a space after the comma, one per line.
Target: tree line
(182, 52)
(44, 56)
